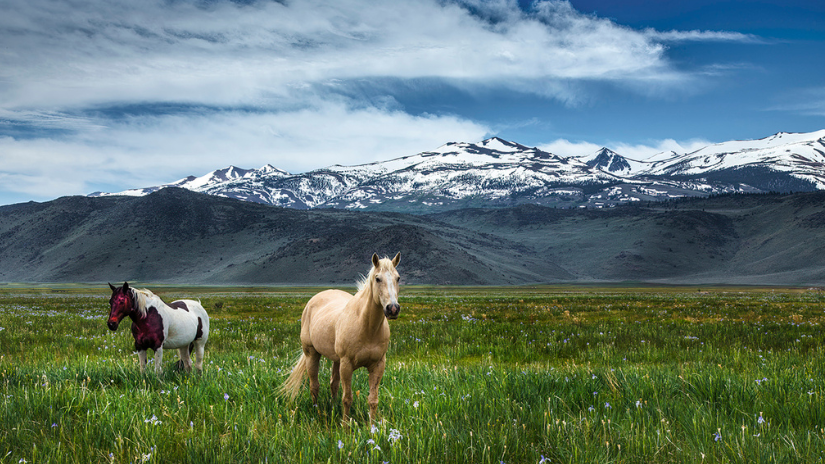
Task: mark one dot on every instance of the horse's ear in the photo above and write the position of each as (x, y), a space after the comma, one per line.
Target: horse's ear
(396, 260)
(375, 260)
(125, 286)
(114, 289)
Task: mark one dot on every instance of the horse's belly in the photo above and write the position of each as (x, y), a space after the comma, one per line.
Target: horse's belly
(180, 340)
(181, 333)
(322, 340)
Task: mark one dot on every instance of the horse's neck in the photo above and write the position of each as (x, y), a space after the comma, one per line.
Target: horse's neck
(370, 313)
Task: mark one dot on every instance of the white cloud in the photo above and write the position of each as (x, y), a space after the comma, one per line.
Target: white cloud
(151, 150)
(564, 147)
(638, 152)
(702, 36)
(98, 52)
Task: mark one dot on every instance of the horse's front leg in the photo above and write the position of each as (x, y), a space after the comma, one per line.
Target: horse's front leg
(376, 372)
(142, 359)
(158, 360)
(345, 370)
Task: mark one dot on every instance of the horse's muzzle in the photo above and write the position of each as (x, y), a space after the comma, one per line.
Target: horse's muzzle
(392, 311)
(112, 324)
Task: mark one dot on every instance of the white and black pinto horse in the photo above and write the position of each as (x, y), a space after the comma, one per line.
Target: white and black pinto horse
(181, 325)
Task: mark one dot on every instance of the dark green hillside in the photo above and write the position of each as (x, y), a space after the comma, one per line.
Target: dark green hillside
(175, 235)
(178, 236)
(751, 239)
(615, 245)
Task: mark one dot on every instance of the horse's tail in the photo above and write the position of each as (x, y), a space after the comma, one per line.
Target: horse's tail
(292, 386)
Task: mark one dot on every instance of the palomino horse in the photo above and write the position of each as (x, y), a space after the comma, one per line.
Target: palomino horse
(352, 331)
(182, 324)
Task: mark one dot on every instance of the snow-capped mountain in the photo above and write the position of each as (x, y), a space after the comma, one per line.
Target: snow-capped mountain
(800, 157)
(491, 172)
(205, 182)
(498, 172)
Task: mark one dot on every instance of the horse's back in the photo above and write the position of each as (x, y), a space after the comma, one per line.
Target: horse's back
(195, 307)
(326, 303)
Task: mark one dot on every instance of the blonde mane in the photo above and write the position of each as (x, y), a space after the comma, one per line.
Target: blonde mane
(362, 282)
(141, 295)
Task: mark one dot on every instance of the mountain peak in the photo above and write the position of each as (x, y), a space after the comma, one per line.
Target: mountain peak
(499, 144)
(230, 172)
(608, 160)
(269, 169)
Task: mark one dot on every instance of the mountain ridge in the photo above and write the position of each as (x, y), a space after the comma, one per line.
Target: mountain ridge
(497, 172)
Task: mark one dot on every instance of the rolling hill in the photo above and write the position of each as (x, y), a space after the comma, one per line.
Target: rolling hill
(174, 235)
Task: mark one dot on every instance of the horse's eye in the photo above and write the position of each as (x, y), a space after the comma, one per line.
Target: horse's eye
(378, 279)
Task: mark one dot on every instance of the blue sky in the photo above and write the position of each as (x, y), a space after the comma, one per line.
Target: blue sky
(116, 94)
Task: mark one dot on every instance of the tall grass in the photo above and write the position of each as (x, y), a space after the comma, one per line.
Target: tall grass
(482, 375)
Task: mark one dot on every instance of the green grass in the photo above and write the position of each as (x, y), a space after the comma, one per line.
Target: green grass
(473, 375)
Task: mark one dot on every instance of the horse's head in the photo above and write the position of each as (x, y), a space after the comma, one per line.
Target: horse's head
(384, 284)
(122, 304)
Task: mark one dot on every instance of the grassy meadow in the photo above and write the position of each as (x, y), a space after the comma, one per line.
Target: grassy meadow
(476, 375)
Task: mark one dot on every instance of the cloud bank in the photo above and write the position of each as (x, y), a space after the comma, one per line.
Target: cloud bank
(638, 152)
(165, 148)
(86, 52)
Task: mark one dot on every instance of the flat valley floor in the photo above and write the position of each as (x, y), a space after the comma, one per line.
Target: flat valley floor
(474, 374)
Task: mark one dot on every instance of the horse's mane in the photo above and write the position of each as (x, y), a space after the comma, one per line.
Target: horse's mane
(140, 296)
(362, 282)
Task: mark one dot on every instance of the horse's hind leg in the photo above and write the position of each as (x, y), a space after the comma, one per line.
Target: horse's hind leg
(185, 360)
(335, 378)
(313, 364)
(199, 346)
